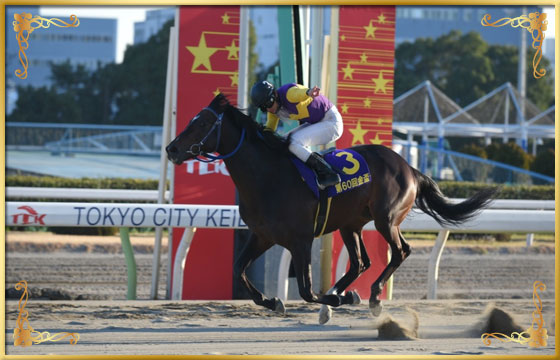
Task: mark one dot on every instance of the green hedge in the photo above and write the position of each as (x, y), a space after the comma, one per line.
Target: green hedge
(87, 183)
(451, 189)
(454, 189)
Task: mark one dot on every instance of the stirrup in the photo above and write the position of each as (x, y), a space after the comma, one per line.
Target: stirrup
(324, 184)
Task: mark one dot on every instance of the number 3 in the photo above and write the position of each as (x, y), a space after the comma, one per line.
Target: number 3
(355, 163)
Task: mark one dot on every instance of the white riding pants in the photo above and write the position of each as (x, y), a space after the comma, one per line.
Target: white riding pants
(321, 133)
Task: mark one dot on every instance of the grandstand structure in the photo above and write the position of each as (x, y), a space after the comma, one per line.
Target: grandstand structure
(427, 112)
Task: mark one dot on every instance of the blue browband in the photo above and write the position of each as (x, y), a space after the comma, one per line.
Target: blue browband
(217, 125)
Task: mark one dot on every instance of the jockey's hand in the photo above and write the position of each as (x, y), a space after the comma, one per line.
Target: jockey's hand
(268, 133)
(314, 92)
(270, 138)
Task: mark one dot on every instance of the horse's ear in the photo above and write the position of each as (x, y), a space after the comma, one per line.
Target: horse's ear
(220, 101)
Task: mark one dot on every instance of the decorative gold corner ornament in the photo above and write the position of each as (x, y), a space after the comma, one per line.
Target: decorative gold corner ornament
(24, 25)
(28, 336)
(536, 24)
(535, 336)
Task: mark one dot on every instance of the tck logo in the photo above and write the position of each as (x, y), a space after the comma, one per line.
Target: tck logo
(202, 168)
(28, 216)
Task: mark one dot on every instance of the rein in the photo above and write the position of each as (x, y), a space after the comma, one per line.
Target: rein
(196, 149)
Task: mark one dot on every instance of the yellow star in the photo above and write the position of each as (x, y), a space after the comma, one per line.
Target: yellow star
(363, 58)
(234, 79)
(381, 19)
(348, 71)
(233, 50)
(380, 121)
(376, 140)
(202, 54)
(370, 30)
(367, 103)
(343, 37)
(217, 92)
(358, 134)
(225, 19)
(380, 83)
(344, 108)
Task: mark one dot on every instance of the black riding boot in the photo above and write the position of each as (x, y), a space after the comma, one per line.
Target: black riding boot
(326, 176)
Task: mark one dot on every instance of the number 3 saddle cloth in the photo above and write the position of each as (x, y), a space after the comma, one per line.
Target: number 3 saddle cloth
(351, 166)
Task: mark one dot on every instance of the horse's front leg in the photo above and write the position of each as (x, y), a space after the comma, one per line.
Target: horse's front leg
(254, 248)
(301, 258)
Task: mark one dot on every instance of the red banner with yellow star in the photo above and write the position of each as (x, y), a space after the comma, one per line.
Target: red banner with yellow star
(366, 53)
(207, 65)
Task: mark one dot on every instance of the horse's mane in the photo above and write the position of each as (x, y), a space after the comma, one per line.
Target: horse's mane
(254, 131)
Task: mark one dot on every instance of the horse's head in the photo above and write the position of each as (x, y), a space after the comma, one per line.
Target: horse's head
(201, 136)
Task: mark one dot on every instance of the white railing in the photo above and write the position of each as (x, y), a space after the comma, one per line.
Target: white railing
(537, 216)
(16, 192)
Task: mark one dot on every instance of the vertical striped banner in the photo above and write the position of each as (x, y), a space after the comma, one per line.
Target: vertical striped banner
(207, 65)
(365, 73)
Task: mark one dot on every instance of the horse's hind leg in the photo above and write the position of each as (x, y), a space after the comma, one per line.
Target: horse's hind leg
(399, 251)
(359, 262)
(254, 248)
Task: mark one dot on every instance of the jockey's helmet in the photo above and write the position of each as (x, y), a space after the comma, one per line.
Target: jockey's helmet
(263, 95)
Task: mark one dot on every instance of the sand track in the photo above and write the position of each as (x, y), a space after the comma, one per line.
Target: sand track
(468, 282)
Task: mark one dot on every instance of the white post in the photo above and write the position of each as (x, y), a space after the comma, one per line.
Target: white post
(341, 264)
(165, 138)
(304, 11)
(316, 46)
(409, 140)
(243, 64)
(283, 275)
(506, 119)
(333, 55)
(173, 131)
(433, 267)
(179, 263)
(530, 239)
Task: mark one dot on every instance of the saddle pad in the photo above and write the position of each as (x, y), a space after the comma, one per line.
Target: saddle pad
(351, 166)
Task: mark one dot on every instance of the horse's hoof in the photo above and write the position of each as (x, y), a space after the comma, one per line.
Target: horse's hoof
(375, 307)
(325, 314)
(279, 306)
(356, 300)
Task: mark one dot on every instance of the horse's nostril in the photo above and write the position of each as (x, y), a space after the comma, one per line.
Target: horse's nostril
(171, 149)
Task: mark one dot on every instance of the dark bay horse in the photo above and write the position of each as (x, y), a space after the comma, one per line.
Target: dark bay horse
(279, 208)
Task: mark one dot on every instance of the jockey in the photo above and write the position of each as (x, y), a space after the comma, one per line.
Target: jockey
(320, 122)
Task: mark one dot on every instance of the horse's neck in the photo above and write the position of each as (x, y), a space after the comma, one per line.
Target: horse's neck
(254, 168)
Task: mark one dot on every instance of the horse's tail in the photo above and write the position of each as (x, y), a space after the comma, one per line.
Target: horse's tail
(430, 200)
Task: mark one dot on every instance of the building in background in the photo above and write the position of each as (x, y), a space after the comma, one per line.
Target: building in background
(153, 23)
(264, 19)
(92, 44)
(549, 53)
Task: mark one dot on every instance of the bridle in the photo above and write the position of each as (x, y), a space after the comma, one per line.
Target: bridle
(196, 149)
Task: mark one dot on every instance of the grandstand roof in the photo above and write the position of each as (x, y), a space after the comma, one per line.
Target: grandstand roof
(426, 110)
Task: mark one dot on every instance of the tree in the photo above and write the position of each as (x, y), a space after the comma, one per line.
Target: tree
(544, 162)
(509, 153)
(466, 68)
(132, 92)
(475, 150)
(44, 104)
(140, 80)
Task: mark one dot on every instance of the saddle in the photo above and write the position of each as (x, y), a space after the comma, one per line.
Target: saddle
(353, 170)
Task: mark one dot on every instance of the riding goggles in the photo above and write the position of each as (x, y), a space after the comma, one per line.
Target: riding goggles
(267, 105)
